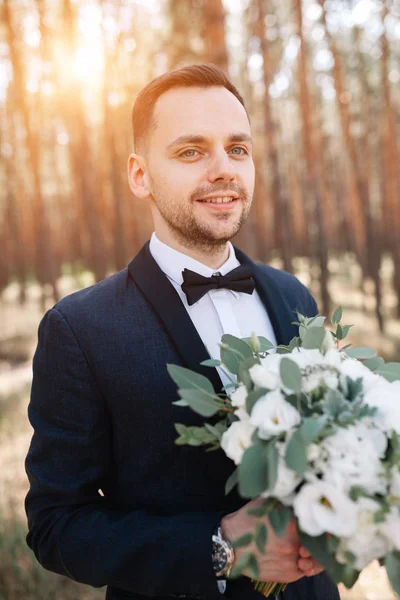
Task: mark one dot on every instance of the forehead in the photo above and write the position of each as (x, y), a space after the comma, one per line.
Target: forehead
(212, 112)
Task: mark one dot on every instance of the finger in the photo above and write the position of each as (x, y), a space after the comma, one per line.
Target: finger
(304, 553)
(305, 564)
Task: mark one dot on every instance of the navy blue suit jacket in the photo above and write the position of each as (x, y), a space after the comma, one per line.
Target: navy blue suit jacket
(101, 408)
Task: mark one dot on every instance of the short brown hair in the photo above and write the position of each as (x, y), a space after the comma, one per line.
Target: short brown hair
(206, 75)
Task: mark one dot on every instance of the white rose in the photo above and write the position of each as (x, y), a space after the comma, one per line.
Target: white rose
(385, 397)
(287, 480)
(351, 457)
(321, 507)
(317, 369)
(236, 439)
(267, 375)
(368, 541)
(353, 368)
(239, 396)
(391, 527)
(272, 415)
(395, 482)
(313, 452)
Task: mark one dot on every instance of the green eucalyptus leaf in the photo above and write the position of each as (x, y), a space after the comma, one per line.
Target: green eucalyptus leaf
(296, 453)
(318, 547)
(243, 371)
(392, 564)
(290, 374)
(390, 371)
(374, 364)
(253, 472)
(233, 352)
(187, 379)
(211, 362)
(337, 315)
(280, 518)
(200, 401)
(361, 353)
(334, 403)
(232, 480)
(240, 566)
(180, 403)
(243, 540)
(313, 338)
(253, 567)
(261, 537)
(264, 344)
(272, 464)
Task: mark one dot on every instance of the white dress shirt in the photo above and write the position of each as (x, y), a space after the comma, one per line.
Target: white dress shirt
(219, 311)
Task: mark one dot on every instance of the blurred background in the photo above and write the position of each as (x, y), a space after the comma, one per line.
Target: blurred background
(321, 81)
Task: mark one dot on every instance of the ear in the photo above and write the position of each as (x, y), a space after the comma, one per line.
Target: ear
(137, 176)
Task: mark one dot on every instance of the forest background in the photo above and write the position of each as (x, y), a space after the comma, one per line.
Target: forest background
(320, 79)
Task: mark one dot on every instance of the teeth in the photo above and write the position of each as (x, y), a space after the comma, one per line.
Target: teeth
(222, 199)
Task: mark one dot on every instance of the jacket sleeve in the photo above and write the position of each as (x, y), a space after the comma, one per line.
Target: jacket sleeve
(72, 530)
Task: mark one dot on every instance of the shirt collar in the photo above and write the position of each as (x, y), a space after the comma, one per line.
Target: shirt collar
(172, 262)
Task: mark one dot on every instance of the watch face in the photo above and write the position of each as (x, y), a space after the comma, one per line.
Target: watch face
(220, 557)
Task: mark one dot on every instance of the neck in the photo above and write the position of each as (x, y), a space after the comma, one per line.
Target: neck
(213, 256)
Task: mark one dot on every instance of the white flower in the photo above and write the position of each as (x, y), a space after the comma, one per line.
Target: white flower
(328, 342)
(317, 369)
(391, 527)
(272, 415)
(368, 541)
(287, 479)
(267, 375)
(353, 368)
(351, 457)
(239, 396)
(313, 452)
(395, 482)
(320, 507)
(385, 397)
(236, 439)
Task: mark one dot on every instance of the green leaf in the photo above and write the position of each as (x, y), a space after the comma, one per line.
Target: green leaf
(334, 403)
(232, 480)
(265, 345)
(252, 398)
(211, 362)
(319, 548)
(361, 353)
(200, 401)
(272, 464)
(263, 509)
(233, 352)
(261, 537)
(390, 371)
(240, 566)
(392, 564)
(374, 363)
(337, 315)
(280, 518)
(290, 374)
(296, 457)
(243, 371)
(253, 567)
(180, 403)
(313, 338)
(345, 330)
(253, 472)
(311, 428)
(187, 379)
(243, 540)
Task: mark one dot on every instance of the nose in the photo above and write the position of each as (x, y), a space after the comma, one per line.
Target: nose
(221, 168)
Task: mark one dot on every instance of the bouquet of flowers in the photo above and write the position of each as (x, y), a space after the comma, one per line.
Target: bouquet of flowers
(314, 429)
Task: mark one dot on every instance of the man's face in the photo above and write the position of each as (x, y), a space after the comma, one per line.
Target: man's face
(199, 166)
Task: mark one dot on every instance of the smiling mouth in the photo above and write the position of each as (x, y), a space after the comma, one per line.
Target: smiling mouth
(218, 200)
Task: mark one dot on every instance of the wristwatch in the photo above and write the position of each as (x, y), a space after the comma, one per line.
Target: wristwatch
(223, 555)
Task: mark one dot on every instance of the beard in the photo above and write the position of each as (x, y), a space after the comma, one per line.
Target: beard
(193, 231)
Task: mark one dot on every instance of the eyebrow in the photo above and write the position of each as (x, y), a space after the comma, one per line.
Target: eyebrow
(200, 139)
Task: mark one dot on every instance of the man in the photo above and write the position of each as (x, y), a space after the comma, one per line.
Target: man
(113, 501)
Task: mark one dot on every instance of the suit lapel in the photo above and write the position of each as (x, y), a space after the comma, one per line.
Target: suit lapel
(278, 310)
(165, 301)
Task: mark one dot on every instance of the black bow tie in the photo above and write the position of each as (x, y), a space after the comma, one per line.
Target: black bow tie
(196, 286)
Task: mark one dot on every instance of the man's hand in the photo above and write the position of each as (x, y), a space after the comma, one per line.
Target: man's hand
(284, 561)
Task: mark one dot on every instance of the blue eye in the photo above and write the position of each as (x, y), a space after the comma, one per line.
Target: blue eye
(241, 152)
(190, 153)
